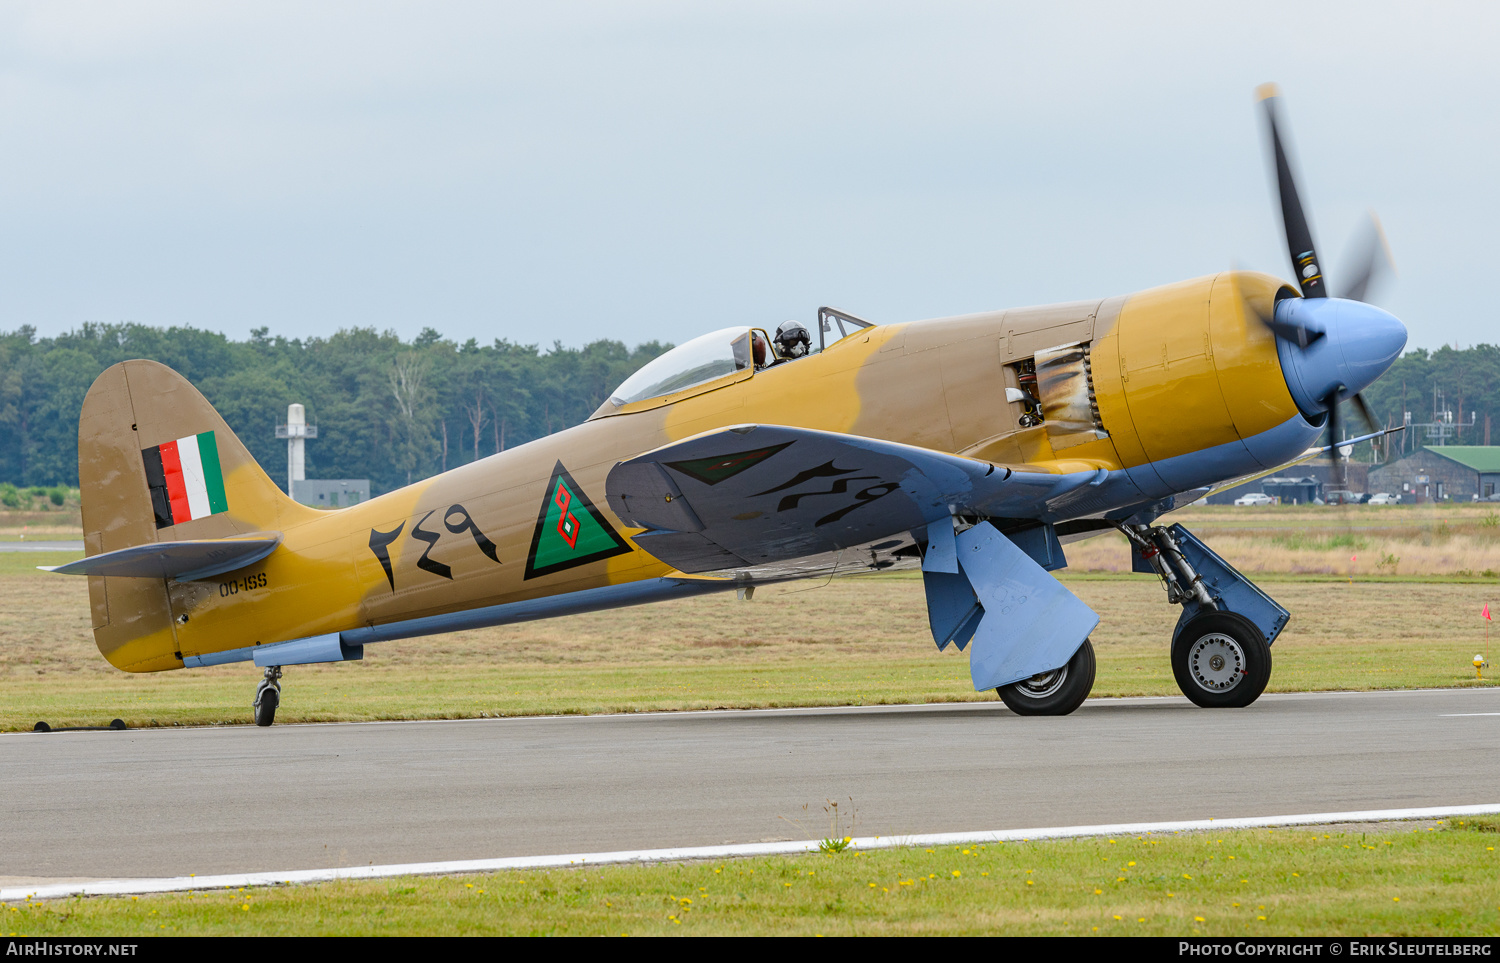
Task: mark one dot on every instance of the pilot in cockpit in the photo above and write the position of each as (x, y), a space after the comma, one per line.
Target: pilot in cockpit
(792, 341)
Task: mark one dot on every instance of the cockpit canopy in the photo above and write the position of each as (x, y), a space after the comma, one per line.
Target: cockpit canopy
(705, 358)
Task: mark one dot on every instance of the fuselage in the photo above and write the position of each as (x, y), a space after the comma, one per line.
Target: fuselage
(1175, 388)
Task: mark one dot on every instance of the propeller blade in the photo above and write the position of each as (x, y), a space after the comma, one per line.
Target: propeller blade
(1299, 240)
(1365, 412)
(1372, 259)
(1371, 425)
(1295, 333)
(1331, 404)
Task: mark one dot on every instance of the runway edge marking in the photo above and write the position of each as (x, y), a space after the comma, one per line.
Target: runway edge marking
(122, 887)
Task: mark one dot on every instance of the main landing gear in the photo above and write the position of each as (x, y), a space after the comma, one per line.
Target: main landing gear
(267, 696)
(1221, 648)
(1221, 660)
(1054, 693)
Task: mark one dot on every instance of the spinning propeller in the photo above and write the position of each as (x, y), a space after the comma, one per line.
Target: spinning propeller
(1331, 348)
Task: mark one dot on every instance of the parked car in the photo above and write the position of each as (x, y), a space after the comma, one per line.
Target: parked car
(1342, 497)
(1384, 498)
(1255, 498)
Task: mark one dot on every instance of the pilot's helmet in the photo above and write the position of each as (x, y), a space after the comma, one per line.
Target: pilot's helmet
(792, 339)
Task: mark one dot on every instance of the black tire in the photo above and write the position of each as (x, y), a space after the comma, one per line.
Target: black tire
(266, 701)
(1221, 661)
(1054, 693)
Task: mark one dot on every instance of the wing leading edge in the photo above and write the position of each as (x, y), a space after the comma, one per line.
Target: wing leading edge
(759, 494)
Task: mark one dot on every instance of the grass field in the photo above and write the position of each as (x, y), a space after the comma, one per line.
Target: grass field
(1358, 623)
(855, 641)
(1391, 879)
(1355, 541)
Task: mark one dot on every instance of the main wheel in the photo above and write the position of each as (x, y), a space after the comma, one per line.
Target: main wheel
(1221, 661)
(1054, 693)
(267, 698)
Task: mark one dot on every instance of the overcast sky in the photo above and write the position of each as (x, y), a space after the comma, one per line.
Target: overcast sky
(574, 171)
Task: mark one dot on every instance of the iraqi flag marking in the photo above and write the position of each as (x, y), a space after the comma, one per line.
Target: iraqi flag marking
(185, 479)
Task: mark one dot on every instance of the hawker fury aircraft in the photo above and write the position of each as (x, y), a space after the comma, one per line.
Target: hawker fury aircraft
(972, 447)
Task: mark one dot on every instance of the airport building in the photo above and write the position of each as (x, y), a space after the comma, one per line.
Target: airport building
(331, 492)
(1301, 483)
(1457, 473)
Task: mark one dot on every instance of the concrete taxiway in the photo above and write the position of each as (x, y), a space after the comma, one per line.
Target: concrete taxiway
(221, 800)
(39, 546)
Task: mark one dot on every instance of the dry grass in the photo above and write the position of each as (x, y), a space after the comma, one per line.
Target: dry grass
(857, 641)
(1356, 540)
(44, 520)
(1355, 625)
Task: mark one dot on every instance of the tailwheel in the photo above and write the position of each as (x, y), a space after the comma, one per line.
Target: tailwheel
(1054, 693)
(267, 697)
(1221, 660)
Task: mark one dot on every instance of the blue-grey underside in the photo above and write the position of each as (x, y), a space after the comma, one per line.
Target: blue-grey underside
(984, 589)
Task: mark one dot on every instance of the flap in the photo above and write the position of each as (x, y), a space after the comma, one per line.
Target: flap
(184, 561)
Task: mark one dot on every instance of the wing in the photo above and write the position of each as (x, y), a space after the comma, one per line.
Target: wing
(757, 494)
(754, 495)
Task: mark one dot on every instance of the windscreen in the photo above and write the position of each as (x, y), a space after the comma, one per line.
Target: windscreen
(702, 359)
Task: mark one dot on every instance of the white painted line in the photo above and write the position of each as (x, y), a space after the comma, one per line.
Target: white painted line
(1455, 715)
(121, 887)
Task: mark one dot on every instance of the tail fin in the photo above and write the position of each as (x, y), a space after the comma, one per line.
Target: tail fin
(157, 463)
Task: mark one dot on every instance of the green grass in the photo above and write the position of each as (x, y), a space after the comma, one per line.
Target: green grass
(25, 563)
(1401, 880)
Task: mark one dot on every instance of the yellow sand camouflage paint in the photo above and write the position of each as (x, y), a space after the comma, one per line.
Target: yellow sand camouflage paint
(1244, 351)
(1175, 369)
(1185, 368)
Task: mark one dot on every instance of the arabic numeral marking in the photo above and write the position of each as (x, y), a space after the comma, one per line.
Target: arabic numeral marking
(431, 538)
(467, 525)
(456, 520)
(380, 543)
(864, 497)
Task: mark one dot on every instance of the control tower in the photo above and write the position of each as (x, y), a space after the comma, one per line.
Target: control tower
(295, 431)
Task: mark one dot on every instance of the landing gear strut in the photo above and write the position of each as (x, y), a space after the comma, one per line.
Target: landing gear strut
(1221, 649)
(267, 696)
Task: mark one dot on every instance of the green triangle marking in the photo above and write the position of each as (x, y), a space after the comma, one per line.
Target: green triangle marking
(570, 531)
(711, 471)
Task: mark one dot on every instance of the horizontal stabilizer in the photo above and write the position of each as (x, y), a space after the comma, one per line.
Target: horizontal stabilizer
(184, 561)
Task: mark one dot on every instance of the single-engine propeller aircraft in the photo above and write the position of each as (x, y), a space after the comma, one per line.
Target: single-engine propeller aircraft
(973, 447)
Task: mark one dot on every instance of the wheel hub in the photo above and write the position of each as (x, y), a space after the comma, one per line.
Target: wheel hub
(1216, 662)
(1044, 684)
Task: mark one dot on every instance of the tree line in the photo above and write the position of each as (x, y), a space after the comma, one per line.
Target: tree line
(1467, 383)
(388, 410)
(394, 411)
